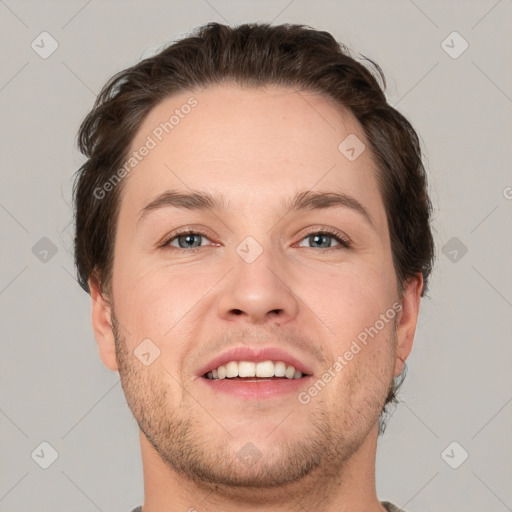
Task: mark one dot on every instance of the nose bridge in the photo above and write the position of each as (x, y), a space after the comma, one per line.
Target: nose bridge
(257, 288)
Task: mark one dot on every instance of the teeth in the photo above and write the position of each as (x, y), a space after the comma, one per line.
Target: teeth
(232, 369)
(246, 369)
(290, 372)
(263, 369)
(279, 369)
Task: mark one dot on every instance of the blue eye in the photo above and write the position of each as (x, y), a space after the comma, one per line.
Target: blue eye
(324, 239)
(186, 240)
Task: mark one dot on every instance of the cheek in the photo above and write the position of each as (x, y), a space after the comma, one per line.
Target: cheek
(357, 305)
(155, 303)
(351, 299)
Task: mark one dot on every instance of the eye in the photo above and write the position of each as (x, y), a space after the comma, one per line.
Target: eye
(186, 240)
(323, 239)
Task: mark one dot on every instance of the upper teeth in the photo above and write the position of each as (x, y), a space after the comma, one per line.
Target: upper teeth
(249, 369)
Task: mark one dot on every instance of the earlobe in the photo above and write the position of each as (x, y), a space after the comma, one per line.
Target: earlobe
(102, 325)
(407, 320)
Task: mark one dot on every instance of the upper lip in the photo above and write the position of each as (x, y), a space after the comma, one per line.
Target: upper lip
(255, 354)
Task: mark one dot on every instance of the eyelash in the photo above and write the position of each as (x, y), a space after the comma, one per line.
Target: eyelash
(345, 243)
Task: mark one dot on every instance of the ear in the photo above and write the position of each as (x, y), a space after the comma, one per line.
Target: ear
(406, 320)
(102, 325)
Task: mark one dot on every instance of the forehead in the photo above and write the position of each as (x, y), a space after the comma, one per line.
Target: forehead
(249, 144)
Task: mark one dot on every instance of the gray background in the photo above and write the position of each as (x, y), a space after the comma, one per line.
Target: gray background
(54, 387)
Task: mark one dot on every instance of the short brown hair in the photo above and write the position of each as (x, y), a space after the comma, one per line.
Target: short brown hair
(252, 55)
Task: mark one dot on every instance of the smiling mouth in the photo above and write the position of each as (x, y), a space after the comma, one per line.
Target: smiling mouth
(248, 371)
(254, 379)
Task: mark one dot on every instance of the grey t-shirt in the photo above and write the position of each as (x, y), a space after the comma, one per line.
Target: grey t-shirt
(389, 506)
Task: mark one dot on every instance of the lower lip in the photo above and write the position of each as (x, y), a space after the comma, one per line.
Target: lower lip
(258, 390)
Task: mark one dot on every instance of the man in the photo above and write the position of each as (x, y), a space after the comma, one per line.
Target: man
(252, 224)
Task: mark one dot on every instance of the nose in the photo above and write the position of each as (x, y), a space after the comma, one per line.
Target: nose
(258, 292)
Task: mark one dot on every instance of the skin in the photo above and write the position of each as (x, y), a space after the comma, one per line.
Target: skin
(258, 147)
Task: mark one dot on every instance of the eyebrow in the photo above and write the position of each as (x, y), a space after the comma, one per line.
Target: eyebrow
(306, 200)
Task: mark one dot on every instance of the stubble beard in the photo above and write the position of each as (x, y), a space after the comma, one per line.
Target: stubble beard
(280, 464)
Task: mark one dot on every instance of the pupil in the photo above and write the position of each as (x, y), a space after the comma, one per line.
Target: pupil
(317, 237)
(188, 240)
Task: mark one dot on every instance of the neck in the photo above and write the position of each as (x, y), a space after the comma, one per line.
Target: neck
(343, 487)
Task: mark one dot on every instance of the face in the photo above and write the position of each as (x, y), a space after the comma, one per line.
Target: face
(270, 273)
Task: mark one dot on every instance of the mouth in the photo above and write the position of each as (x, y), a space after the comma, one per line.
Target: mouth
(250, 371)
(256, 373)
(255, 387)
